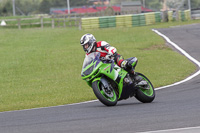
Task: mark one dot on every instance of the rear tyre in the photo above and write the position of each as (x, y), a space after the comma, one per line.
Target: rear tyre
(145, 95)
(107, 96)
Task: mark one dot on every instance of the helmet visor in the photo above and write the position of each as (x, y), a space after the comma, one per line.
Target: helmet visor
(86, 46)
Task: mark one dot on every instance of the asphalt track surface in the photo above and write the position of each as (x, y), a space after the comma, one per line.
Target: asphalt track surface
(173, 108)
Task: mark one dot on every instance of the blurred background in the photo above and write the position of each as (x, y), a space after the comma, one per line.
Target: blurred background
(34, 7)
(73, 10)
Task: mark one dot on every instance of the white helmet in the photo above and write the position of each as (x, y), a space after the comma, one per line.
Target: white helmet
(88, 39)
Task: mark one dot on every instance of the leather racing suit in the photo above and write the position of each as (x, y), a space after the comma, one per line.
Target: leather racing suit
(108, 51)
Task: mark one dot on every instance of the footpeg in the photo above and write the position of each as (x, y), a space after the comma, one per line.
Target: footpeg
(143, 84)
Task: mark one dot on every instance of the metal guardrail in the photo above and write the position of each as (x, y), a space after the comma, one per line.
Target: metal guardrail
(195, 14)
(195, 11)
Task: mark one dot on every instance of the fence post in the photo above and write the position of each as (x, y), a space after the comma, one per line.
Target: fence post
(69, 17)
(64, 21)
(41, 20)
(19, 23)
(58, 20)
(53, 22)
(76, 24)
(80, 24)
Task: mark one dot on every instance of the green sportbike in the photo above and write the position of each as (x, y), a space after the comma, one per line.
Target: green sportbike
(111, 84)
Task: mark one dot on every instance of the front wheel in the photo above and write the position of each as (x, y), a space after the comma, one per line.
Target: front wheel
(107, 96)
(145, 94)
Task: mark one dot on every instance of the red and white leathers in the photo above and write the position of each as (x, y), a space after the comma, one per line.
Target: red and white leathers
(106, 50)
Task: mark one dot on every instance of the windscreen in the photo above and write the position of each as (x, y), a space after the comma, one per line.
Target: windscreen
(89, 58)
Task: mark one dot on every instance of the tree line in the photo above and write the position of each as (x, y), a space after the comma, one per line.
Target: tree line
(29, 7)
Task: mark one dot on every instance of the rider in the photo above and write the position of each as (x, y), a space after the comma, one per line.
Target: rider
(90, 45)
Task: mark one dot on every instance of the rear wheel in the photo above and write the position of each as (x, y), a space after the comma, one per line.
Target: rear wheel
(145, 93)
(105, 95)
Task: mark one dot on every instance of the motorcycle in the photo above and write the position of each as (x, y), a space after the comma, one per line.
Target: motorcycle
(110, 83)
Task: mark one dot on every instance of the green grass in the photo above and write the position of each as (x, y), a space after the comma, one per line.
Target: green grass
(41, 67)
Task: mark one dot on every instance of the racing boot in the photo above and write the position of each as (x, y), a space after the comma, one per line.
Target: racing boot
(129, 66)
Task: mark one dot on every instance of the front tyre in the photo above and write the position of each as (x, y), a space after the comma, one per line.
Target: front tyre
(145, 94)
(107, 96)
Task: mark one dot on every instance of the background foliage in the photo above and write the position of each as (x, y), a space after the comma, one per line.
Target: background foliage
(37, 6)
(28, 7)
